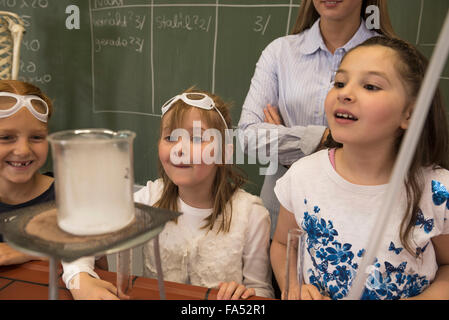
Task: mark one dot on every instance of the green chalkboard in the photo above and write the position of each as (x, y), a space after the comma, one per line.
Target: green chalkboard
(129, 56)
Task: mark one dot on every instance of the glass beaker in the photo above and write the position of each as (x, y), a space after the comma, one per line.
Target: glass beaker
(94, 180)
(294, 265)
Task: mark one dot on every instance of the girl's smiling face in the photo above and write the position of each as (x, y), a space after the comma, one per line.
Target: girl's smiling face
(368, 104)
(23, 147)
(179, 166)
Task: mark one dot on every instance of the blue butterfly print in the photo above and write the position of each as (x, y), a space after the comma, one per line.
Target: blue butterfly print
(421, 250)
(390, 268)
(361, 253)
(393, 248)
(421, 220)
(439, 194)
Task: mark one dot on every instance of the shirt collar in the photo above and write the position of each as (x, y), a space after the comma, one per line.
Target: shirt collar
(362, 34)
(314, 41)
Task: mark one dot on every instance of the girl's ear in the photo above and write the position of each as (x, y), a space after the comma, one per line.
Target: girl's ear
(407, 116)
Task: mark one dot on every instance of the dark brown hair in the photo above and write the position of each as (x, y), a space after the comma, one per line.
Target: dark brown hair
(433, 145)
(229, 178)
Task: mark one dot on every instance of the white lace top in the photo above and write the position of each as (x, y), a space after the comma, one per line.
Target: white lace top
(200, 257)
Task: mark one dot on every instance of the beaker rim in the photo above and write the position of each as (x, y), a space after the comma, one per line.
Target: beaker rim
(103, 135)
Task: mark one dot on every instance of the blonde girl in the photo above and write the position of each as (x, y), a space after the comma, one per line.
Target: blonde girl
(222, 238)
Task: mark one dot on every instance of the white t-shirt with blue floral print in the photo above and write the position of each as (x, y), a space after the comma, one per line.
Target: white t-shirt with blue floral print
(338, 217)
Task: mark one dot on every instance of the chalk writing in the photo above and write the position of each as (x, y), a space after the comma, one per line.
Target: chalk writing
(184, 22)
(261, 24)
(29, 67)
(139, 20)
(34, 4)
(108, 3)
(8, 3)
(135, 43)
(31, 45)
(118, 19)
(41, 79)
(24, 3)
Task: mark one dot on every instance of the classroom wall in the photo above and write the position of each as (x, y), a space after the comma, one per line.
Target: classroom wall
(129, 56)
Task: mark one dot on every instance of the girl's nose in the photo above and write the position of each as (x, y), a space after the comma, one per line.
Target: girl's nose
(179, 152)
(346, 95)
(178, 149)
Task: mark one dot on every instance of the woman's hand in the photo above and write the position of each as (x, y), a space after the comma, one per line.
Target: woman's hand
(86, 287)
(272, 115)
(308, 292)
(10, 256)
(234, 291)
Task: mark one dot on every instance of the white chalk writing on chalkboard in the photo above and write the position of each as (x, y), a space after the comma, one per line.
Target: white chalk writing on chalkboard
(184, 22)
(118, 19)
(107, 3)
(136, 43)
(109, 15)
(29, 67)
(24, 3)
(180, 18)
(46, 78)
(32, 45)
(261, 26)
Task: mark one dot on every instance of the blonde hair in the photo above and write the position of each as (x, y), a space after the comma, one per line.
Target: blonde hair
(24, 88)
(307, 16)
(228, 179)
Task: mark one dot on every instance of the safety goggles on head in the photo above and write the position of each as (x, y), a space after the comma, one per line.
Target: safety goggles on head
(10, 103)
(191, 98)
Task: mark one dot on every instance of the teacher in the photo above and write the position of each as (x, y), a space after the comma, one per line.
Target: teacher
(294, 74)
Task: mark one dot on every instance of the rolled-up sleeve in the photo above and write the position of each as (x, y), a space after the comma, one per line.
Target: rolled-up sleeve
(71, 269)
(291, 141)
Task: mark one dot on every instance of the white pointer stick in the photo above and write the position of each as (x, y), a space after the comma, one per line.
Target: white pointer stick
(404, 158)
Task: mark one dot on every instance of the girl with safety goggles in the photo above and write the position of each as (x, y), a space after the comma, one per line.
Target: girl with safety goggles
(221, 240)
(24, 115)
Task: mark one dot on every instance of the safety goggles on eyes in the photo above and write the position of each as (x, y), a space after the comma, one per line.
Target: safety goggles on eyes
(205, 102)
(10, 103)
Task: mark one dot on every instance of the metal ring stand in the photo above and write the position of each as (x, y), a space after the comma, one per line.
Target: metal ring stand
(148, 223)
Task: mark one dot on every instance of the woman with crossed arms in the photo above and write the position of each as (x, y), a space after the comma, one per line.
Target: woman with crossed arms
(295, 73)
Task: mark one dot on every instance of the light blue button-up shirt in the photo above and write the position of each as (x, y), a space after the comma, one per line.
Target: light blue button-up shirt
(294, 73)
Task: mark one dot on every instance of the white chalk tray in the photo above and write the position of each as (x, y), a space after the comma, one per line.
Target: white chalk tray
(34, 229)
